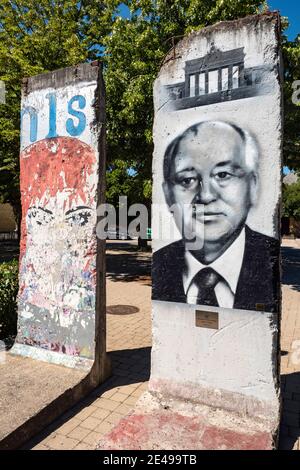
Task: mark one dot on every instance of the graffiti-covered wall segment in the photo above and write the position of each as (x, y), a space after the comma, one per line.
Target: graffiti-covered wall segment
(59, 187)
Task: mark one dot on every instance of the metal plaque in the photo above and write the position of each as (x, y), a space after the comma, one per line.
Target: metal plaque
(207, 319)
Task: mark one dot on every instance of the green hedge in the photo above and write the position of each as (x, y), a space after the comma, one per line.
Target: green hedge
(8, 298)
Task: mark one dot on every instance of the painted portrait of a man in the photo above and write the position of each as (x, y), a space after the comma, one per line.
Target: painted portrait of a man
(212, 168)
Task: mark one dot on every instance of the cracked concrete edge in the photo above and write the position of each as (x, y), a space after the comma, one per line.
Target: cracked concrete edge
(271, 17)
(60, 78)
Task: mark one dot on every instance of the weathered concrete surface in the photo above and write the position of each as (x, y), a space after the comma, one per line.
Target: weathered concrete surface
(32, 394)
(61, 301)
(233, 362)
(157, 423)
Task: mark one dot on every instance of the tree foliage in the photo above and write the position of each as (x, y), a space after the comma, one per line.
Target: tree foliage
(291, 143)
(43, 35)
(38, 36)
(134, 53)
(291, 200)
(8, 298)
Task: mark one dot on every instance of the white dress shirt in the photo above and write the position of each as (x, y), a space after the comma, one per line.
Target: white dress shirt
(228, 265)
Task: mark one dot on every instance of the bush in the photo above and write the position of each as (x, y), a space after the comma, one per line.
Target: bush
(8, 298)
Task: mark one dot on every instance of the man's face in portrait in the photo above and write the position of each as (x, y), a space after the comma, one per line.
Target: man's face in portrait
(209, 171)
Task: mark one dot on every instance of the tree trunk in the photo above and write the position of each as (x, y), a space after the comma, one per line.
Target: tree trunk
(142, 244)
(18, 217)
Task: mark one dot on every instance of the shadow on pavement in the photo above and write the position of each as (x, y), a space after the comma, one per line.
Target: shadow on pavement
(125, 263)
(290, 418)
(291, 267)
(129, 366)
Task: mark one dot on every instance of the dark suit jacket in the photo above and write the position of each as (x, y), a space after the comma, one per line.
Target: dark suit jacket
(259, 280)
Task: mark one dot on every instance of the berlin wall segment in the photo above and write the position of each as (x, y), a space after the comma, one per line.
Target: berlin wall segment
(61, 302)
(61, 306)
(216, 300)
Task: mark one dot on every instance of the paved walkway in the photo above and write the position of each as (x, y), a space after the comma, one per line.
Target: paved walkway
(290, 346)
(129, 342)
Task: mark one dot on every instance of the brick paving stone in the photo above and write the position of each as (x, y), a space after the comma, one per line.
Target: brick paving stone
(91, 439)
(60, 442)
(90, 423)
(137, 393)
(85, 412)
(119, 397)
(79, 433)
(127, 389)
(83, 446)
(292, 387)
(287, 396)
(101, 414)
(108, 393)
(114, 418)
(130, 401)
(104, 428)
(47, 438)
(128, 336)
(123, 409)
(107, 404)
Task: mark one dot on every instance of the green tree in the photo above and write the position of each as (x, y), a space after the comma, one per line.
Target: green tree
(291, 141)
(291, 200)
(38, 36)
(42, 35)
(133, 55)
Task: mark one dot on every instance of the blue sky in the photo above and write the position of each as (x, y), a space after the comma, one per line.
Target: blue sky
(289, 8)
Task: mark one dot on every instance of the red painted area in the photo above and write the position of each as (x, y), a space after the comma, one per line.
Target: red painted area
(51, 166)
(219, 438)
(168, 430)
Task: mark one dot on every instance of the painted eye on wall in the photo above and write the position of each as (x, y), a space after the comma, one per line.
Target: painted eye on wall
(79, 216)
(39, 216)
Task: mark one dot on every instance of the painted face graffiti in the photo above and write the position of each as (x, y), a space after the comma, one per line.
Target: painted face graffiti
(58, 242)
